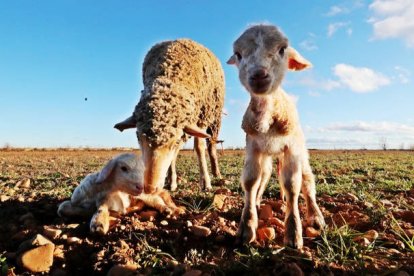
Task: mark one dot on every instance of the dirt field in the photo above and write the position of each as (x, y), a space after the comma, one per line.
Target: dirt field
(358, 191)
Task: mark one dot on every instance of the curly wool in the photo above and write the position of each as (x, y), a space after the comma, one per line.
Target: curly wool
(183, 86)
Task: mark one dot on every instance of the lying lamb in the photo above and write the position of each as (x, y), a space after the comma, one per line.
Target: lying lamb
(116, 189)
(272, 127)
(183, 95)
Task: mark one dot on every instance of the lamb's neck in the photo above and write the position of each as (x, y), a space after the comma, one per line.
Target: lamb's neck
(271, 112)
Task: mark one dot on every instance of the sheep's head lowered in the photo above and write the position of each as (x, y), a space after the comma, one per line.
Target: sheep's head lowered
(183, 95)
(262, 55)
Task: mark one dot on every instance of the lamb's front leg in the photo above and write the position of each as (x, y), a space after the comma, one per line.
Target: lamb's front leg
(292, 179)
(100, 221)
(251, 179)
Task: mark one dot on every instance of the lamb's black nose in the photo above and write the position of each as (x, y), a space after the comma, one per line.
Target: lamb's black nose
(259, 74)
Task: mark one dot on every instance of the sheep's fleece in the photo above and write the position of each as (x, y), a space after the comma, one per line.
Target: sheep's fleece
(183, 85)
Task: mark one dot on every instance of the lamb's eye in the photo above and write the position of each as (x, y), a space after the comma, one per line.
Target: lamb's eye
(282, 51)
(124, 169)
(238, 55)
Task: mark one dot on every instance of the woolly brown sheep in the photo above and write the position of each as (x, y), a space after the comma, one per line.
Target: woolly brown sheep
(183, 95)
(272, 127)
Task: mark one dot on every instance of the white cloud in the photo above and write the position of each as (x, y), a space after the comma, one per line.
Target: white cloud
(334, 27)
(326, 85)
(393, 19)
(308, 45)
(360, 79)
(335, 10)
(360, 134)
(403, 75)
(373, 127)
(314, 94)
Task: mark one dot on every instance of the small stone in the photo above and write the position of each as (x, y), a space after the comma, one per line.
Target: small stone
(72, 226)
(52, 233)
(24, 183)
(219, 200)
(124, 270)
(74, 240)
(148, 215)
(312, 232)
(223, 191)
(351, 197)
(386, 203)
(4, 198)
(265, 212)
(371, 235)
(38, 259)
(222, 220)
(188, 223)
(164, 223)
(59, 253)
(265, 234)
(21, 199)
(193, 272)
(36, 241)
(201, 231)
(122, 244)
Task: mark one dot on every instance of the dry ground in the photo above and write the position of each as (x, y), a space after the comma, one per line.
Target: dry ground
(358, 191)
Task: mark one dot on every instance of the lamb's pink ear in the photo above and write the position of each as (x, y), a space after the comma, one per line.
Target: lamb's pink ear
(295, 61)
(232, 60)
(106, 171)
(196, 131)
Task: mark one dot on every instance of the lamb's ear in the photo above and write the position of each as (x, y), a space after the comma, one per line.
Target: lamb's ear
(106, 171)
(232, 60)
(130, 122)
(196, 131)
(295, 61)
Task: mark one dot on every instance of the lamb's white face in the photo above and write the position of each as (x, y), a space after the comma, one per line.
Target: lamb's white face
(129, 173)
(260, 55)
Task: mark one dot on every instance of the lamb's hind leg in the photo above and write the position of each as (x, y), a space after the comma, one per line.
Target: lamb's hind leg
(67, 209)
(251, 179)
(314, 215)
(200, 148)
(292, 179)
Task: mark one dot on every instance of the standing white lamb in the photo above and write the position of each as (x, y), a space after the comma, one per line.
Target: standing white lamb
(116, 189)
(183, 95)
(272, 127)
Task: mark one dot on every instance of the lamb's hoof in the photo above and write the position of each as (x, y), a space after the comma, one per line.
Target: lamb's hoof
(99, 229)
(294, 242)
(316, 221)
(246, 233)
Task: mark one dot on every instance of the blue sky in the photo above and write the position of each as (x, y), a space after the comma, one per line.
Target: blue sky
(54, 54)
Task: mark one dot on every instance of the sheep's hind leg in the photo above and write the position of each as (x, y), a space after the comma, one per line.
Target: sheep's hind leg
(212, 152)
(251, 179)
(172, 172)
(200, 148)
(314, 215)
